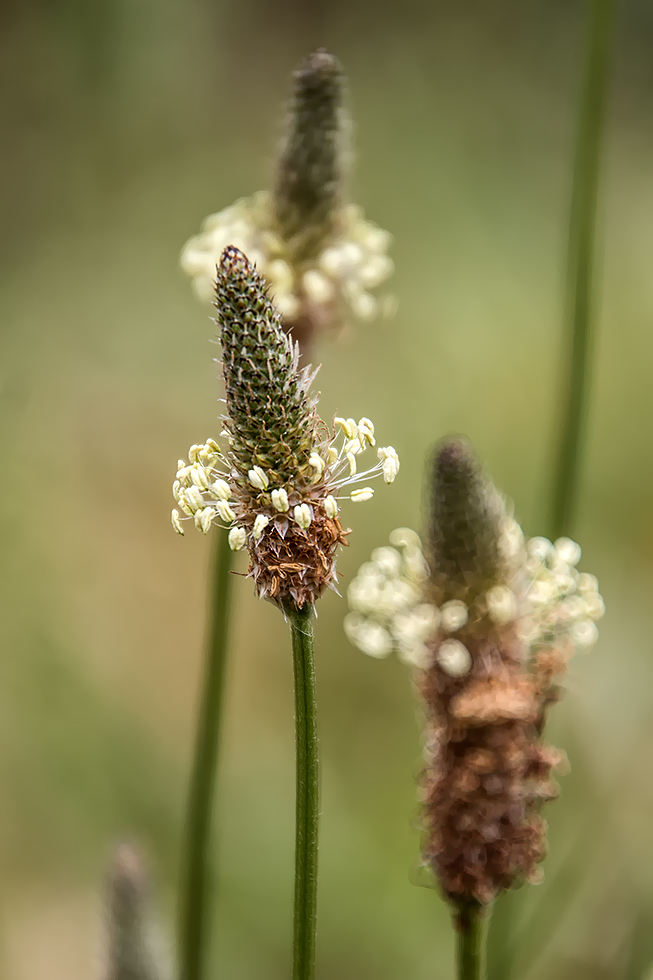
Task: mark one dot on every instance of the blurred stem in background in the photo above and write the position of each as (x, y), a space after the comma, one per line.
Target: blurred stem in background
(470, 932)
(576, 362)
(307, 800)
(576, 367)
(196, 874)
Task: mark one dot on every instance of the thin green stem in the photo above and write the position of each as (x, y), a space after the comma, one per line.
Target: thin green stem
(580, 266)
(471, 934)
(307, 789)
(196, 875)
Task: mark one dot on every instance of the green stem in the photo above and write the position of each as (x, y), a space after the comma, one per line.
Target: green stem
(470, 932)
(307, 789)
(580, 262)
(196, 877)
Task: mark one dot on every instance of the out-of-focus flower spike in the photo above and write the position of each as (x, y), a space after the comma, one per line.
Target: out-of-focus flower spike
(134, 947)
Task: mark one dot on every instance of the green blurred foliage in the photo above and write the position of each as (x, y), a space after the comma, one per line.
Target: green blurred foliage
(124, 123)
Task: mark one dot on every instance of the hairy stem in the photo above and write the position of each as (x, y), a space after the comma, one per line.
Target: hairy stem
(580, 263)
(307, 790)
(470, 932)
(195, 882)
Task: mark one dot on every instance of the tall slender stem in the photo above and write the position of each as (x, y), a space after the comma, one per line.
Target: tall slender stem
(577, 354)
(307, 789)
(580, 263)
(196, 877)
(470, 932)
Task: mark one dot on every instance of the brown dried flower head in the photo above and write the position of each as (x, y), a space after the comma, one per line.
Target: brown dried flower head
(490, 621)
(278, 481)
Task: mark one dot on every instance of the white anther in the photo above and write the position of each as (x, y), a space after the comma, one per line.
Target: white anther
(587, 583)
(584, 634)
(225, 511)
(348, 426)
(540, 548)
(280, 274)
(183, 474)
(213, 446)
(317, 287)
(387, 560)
(405, 537)
(501, 604)
(181, 464)
(368, 636)
(366, 432)
(183, 503)
(332, 455)
(568, 550)
(205, 519)
(331, 262)
(454, 658)
(375, 270)
(595, 605)
(193, 453)
(454, 615)
(390, 461)
(199, 477)
(316, 462)
(280, 500)
(260, 525)
(364, 306)
(359, 496)
(237, 538)
(221, 490)
(258, 478)
(302, 514)
(194, 498)
(351, 459)
(176, 489)
(176, 522)
(351, 254)
(331, 506)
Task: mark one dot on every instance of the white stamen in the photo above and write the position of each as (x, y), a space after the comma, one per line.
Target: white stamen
(260, 525)
(237, 538)
(454, 658)
(359, 496)
(225, 511)
(176, 522)
(331, 506)
(568, 550)
(221, 490)
(501, 604)
(280, 500)
(317, 463)
(258, 478)
(454, 615)
(302, 514)
(194, 498)
(366, 432)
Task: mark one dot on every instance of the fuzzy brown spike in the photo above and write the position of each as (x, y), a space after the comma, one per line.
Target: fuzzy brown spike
(465, 526)
(487, 772)
(310, 171)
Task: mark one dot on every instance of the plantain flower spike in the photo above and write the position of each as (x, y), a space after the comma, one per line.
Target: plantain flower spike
(134, 951)
(317, 250)
(277, 483)
(490, 621)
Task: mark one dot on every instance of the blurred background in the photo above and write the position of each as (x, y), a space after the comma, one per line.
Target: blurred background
(125, 122)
